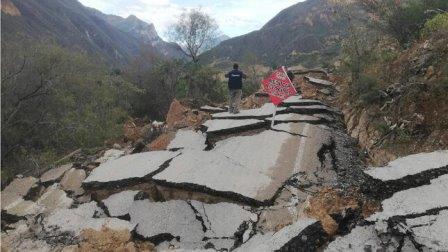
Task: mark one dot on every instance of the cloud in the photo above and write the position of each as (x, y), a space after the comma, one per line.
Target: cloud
(234, 17)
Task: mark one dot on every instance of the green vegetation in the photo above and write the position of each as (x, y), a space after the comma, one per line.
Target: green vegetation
(439, 23)
(53, 101)
(396, 69)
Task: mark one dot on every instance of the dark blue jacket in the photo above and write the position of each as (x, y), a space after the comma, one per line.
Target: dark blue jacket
(235, 79)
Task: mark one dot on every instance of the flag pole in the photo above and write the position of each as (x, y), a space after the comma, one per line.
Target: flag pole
(273, 116)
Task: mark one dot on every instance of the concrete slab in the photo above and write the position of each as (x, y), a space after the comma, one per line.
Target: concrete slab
(159, 221)
(300, 236)
(361, 238)
(129, 167)
(294, 118)
(258, 113)
(72, 181)
(17, 189)
(188, 139)
(319, 81)
(431, 231)
(297, 101)
(233, 167)
(410, 165)
(312, 109)
(75, 220)
(415, 200)
(230, 125)
(54, 175)
(119, 204)
(223, 219)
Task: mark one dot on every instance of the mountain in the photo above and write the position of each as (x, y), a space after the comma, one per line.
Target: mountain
(142, 31)
(307, 33)
(75, 26)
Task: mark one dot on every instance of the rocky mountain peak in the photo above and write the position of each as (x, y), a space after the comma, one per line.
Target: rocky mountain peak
(9, 8)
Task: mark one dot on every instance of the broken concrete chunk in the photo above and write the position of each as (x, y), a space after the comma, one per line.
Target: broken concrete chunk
(258, 113)
(319, 81)
(131, 166)
(361, 238)
(17, 189)
(188, 139)
(304, 235)
(222, 219)
(77, 219)
(110, 155)
(54, 175)
(431, 231)
(118, 204)
(212, 109)
(23, 207)
(294, 118)
(229, 125)
(416, 200)
(53, 199)
(72, 181)
(160, 221)
(410, 165)
(233, 168)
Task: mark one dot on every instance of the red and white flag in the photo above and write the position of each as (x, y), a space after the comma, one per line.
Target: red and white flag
(279, 86)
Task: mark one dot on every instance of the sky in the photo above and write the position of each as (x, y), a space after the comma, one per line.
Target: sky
(234, 17)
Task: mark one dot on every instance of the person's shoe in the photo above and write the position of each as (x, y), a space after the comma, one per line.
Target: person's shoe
(236, 111)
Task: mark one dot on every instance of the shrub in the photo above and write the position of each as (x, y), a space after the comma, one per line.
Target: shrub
(366, 90)
(439, 23)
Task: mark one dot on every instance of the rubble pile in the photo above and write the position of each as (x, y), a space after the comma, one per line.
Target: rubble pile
(216, 181)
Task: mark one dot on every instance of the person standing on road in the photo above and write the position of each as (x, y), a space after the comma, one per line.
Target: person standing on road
(235, 88)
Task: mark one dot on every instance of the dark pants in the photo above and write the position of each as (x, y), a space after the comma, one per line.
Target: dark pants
(235, 100)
